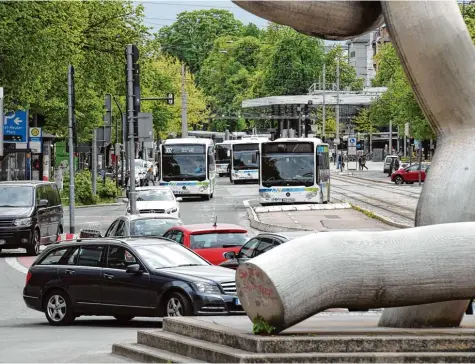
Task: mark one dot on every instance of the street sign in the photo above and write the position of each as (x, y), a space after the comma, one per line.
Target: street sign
(145, 124)
(351, 150)
(36, 140)
(352, 142)
(15, 129)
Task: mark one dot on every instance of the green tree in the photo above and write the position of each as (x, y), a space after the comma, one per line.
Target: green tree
(190, 38)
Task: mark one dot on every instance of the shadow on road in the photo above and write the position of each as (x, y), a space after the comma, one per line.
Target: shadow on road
(99, 323)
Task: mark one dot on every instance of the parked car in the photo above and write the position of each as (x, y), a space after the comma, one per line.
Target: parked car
(126, 278)
(156, 199)
(137, 225)
(210, 241)
(410, 174)
(388, 162)
(258, 245)
(31, 214)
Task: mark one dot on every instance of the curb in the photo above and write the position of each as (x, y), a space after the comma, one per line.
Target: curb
(270, 228)
(314, 207)
(381, 218)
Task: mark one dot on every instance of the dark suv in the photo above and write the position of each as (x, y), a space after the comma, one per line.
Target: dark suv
(125, 278)
(31, 214)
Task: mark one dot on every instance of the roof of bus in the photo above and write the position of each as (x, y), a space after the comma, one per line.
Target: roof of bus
(188, 141)
(244, 141)
(314, 140)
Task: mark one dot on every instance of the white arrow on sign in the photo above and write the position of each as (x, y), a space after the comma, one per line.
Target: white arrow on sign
(18, 121)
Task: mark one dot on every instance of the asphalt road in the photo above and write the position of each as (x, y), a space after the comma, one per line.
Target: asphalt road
(25, 335)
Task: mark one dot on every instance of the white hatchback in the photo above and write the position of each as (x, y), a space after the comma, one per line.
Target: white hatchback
(156, 200)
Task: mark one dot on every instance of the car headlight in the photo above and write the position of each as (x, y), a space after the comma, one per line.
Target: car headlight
(171, 211)
(310, 195)
(22, 222)
(207, 288)
(203, 188)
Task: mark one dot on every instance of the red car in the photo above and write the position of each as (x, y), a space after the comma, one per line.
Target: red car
(210, 241)
(410, 174)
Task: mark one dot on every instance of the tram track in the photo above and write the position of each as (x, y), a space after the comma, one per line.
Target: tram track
(393, 213)
(378, 186)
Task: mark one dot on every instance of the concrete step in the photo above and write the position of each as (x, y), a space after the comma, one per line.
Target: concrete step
(321, 343)
(145, 354)
(216, 353)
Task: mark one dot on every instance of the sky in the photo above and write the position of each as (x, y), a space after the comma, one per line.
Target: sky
(159, 13)
(164, 12)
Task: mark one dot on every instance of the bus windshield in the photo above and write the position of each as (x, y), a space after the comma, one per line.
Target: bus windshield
(245, 157)
(223, 153)
(184, 162)
(287, 169)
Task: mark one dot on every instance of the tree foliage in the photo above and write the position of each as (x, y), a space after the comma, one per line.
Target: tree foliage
(398, 104)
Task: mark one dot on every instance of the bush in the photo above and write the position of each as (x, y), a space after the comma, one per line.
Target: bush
(83, 189)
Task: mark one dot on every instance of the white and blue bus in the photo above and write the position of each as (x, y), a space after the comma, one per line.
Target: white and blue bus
(244, 165)
(294, 170)
(187, 166)
(222, 157)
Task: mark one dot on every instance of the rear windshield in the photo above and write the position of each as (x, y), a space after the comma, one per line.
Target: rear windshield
(153, 227)
(217, 240)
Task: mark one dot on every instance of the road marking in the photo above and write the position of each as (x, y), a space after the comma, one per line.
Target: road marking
(12, 262)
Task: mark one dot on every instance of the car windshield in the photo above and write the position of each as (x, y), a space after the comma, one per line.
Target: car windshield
(288, 168)
(168, 256)
(217, 240)
(153, 227)
(16, 196)
(154, 195)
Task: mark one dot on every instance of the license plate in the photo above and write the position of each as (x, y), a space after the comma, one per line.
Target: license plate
(182, 192)
(2, 241)
(289, 199)
(237, 302)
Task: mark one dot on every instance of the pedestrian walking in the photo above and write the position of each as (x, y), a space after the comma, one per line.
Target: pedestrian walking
(149, 177)
(364, 160)
(360, 163)
(391, 168)
(339, 161)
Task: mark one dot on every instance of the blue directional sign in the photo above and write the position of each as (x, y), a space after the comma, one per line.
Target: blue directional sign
(16, 127)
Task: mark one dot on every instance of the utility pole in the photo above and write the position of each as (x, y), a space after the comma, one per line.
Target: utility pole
(184, 105)
(390, 138)
(130, 112)
(420, 145)
(117, 147)
(324, 100)
(70, 146)
(337, 107)
(94, 160)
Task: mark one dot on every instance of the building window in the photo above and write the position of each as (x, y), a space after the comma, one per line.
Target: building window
(352, 54)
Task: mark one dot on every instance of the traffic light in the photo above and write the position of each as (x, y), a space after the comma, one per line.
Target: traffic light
(307, 121)
(108, 110)
(412, 141)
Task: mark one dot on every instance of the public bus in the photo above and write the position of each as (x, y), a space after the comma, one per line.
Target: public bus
(187, 166)
(294, 170)
(244, 159)
(222, 157)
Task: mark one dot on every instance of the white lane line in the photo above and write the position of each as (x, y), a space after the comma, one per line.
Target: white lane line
(12, 262)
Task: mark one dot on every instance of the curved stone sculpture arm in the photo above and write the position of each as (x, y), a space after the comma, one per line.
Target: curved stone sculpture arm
(337, 20)
(367, 269)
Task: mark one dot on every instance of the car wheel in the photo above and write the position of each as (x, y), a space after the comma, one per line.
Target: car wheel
(123, 318)
(211, 196)
(58, 308)
(177, 304)
(34, 247)
(399, 180)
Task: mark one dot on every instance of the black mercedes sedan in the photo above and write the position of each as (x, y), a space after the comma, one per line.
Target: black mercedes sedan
(126, 278)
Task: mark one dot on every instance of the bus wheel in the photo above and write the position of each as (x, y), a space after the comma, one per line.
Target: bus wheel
(206, 197)
(211, 196)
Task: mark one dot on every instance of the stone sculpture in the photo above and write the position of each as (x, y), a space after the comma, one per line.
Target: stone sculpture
(437, 54)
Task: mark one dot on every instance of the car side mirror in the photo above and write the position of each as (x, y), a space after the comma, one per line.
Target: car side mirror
(90, 233)
(229, 255)
(179, 199)
(134, 269)
(43, 203)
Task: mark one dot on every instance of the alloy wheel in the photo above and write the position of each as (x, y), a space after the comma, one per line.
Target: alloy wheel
(36, 241)
(56, 308)
(174, 307)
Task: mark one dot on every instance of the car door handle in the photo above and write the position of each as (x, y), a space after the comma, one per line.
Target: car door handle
(69, 271)
(108, 276)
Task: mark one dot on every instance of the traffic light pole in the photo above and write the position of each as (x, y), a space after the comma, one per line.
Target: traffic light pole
(130, 112)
